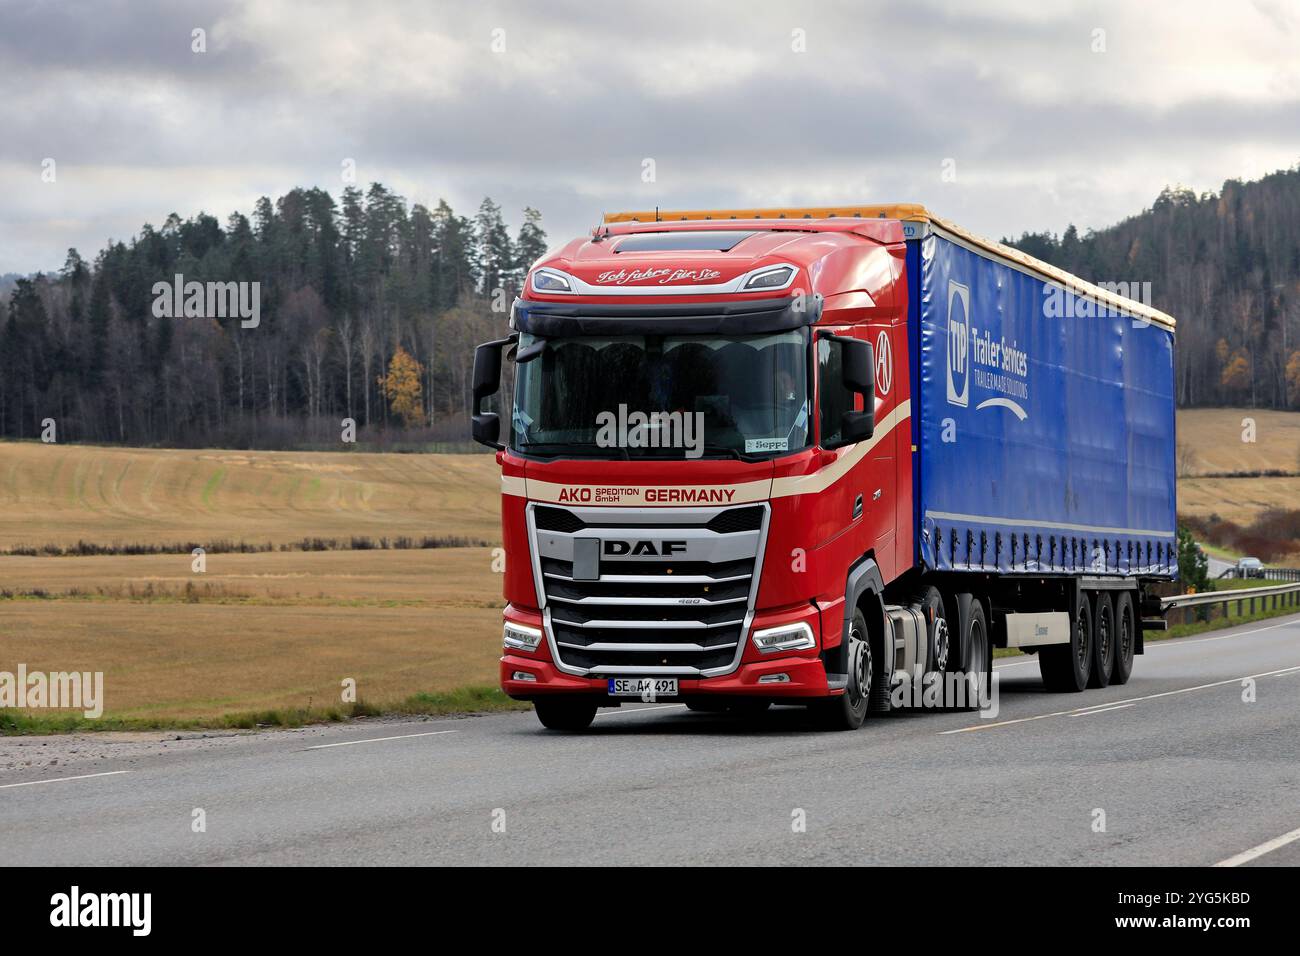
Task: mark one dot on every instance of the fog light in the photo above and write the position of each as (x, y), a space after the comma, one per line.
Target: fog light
(519, 637)
(523, 675)
(787, 637)
(774, 679)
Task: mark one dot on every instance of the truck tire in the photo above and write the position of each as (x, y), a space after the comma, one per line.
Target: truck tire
(564, 713)
(1065, 667)
(849, 710)
(938, 649)
(976, 651)
(1103, 640)
(1125, 638)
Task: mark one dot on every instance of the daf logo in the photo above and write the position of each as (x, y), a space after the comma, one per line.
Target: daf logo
(636, 549)
(958, 344)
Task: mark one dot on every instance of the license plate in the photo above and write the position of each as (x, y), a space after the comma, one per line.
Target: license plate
(647, 688)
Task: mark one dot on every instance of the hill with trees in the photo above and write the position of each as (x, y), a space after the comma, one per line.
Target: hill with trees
(346, 288)
(370, 308)
(1226, 266)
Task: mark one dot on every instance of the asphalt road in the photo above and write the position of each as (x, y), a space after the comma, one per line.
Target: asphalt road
(1185, 771)
(1216, 566)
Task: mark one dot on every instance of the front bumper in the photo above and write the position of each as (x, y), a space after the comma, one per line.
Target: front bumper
(807, 679)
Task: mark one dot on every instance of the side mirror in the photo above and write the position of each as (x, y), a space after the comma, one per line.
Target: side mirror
(859, 366)
(860, 377)
(858, 373)
(485, 427)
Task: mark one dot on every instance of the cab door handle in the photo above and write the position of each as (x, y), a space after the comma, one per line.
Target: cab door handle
(857, 507)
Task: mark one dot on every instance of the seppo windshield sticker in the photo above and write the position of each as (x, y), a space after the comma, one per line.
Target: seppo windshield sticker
(766, 444)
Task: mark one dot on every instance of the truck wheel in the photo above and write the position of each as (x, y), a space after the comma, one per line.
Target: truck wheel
(938, 636)
(849, 710)
(1125, 638)
(564, 714)
(976, 654)
(1103, 640)
(1065, 667)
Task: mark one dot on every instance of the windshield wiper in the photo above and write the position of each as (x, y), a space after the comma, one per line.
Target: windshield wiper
(560, 449)
(731, 452)
(714, 450)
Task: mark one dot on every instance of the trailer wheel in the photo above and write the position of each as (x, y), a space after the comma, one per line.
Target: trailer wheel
(973, 650)
(562, 713)
(1103, 640)
(1065, 667)
(1125, 638)
(849, 710)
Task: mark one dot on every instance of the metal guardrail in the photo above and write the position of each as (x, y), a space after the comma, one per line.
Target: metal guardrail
(1268, 574)
(1271, 597)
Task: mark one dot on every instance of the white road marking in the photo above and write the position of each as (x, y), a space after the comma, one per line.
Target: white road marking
(375, 740)
(1256, 852)
(1116, 703)
(638, 710)
(83, 776)
(1101, 710)
(1178, 642)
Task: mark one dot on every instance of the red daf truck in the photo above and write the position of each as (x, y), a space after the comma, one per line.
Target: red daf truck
(801, 456)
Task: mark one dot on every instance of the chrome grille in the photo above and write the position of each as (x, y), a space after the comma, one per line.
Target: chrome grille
(671, 590)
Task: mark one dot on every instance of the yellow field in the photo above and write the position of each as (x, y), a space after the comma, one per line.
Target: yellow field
(1211, 440)
(59, 494)
(278, 630)
(1214, 439)
(271, 630)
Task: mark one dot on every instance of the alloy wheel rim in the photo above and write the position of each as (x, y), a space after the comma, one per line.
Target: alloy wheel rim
(861, 655)
(940, 645)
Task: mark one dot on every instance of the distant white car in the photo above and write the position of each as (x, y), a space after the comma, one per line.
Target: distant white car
(1250, 568)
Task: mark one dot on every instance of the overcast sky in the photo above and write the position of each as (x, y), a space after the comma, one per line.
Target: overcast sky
(754, 103)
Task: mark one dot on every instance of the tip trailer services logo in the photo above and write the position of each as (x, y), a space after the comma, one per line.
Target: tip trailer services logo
(958, 344)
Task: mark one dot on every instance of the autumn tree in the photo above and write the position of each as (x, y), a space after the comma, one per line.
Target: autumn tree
(1235, 374)
(1293, 378)
(401, 387)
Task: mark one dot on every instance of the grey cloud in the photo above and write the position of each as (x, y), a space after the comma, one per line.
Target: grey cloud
(1042, 129)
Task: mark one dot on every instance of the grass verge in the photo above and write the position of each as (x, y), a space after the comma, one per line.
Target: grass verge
(477, 699)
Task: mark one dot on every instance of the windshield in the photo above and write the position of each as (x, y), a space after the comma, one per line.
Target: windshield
(663, 396)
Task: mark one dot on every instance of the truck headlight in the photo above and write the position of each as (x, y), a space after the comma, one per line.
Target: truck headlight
(518, 637)
(546, 280)
(777, 277)
(787, 637)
